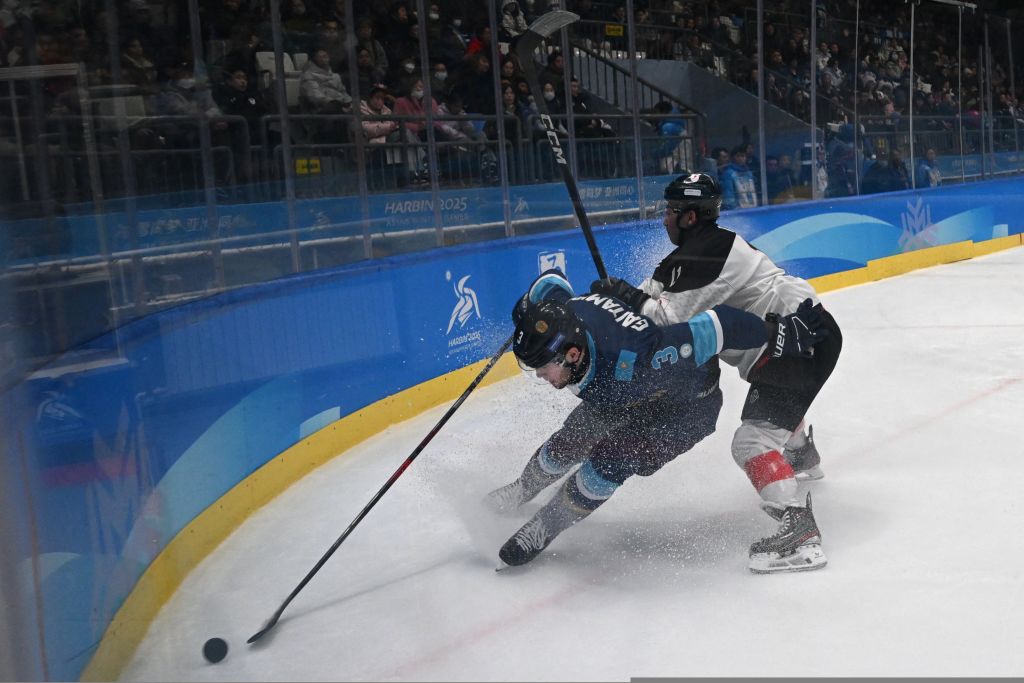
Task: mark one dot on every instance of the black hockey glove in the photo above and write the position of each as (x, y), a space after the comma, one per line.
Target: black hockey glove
(797, 333)
(621, 290)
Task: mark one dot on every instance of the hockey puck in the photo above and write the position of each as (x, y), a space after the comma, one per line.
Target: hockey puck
(215, 650)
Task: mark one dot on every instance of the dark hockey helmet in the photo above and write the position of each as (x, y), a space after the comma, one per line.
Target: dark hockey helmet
(545, 331)
(699, 192)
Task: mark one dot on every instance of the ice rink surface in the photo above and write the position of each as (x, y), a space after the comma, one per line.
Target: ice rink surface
(920, 431)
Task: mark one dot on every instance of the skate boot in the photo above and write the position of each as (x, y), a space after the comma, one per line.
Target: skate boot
(532, 481)
(559, 514)
(805, 460)
(795, 547)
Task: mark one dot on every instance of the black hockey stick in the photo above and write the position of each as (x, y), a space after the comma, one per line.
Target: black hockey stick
(540, 30)
(380, 494)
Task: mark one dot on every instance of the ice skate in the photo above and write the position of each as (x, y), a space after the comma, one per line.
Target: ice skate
(556, 516)
(532, 481)
(507, 499)
(527, 543)
(805, 460)
(795, 547)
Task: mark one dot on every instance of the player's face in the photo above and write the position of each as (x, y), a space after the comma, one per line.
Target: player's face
(674, 223)
(558, 373)
(555, 374)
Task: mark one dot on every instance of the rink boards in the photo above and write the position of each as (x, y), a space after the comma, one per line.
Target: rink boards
(215, 407)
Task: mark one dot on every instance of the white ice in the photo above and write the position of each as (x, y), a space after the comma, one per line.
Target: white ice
(920, 511)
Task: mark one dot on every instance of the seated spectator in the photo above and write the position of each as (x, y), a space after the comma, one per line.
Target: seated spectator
(366, 40)
(475, 85)
(384, 157)
(403, 69)
(237, 98)
(588, 125)
(554, 71)
(480, 43)
(298, 25)
(842, 163)
(412, 105)
(928, 174)
(510, 69)
(472, 152)
(721, 158)
(329, 37)
(450, 46)
(898, 177)
(320, 88)
(322, 92)
(738, 188)
(367, 73)
(513, 23)
(439, 83)
(181, 95)
(780, 183)
(136, 67)
(377, 132)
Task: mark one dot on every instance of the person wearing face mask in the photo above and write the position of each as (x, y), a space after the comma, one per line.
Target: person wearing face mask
(450, 46)
(439, 84)
(404, 69)
(181, 95)
(413, 105)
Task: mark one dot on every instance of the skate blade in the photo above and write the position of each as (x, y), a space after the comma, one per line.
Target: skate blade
(803, 559)
(810, 474)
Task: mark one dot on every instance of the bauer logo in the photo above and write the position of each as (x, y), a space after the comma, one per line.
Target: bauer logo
(546, 260)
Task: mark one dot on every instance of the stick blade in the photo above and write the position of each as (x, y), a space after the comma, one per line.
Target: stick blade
(546, 24)
(263, 631)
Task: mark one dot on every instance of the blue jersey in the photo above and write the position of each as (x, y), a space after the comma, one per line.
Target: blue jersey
(631, 360)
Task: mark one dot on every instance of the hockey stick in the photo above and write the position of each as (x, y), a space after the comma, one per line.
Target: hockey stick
(539, 31)
(380, 494)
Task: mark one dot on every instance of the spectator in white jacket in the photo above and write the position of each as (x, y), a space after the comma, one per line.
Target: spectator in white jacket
(320, 88)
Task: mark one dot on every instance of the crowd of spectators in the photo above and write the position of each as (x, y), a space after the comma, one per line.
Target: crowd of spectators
(149, 48)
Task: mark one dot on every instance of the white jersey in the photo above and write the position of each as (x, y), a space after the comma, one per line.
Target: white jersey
(715, 266)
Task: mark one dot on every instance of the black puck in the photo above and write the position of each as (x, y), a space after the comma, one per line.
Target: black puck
(215, 650)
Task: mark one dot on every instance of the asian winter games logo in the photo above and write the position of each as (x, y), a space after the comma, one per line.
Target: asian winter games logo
(918, 231)
(465, 308)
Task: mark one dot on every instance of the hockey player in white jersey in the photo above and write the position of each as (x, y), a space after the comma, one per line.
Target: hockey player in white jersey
(712, 266)
(647, 394)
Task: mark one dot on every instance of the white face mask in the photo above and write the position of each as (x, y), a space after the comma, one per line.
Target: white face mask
(417, 94)
(186, 83)
(549, 95)
(434, 16)
(409, 68)
(441, 75)
(456, 23)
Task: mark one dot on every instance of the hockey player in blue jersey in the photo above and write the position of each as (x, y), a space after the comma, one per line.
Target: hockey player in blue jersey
(647, 394)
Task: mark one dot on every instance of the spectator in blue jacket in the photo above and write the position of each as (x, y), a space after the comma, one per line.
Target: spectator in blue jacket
(738, 188)
(927, 173)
